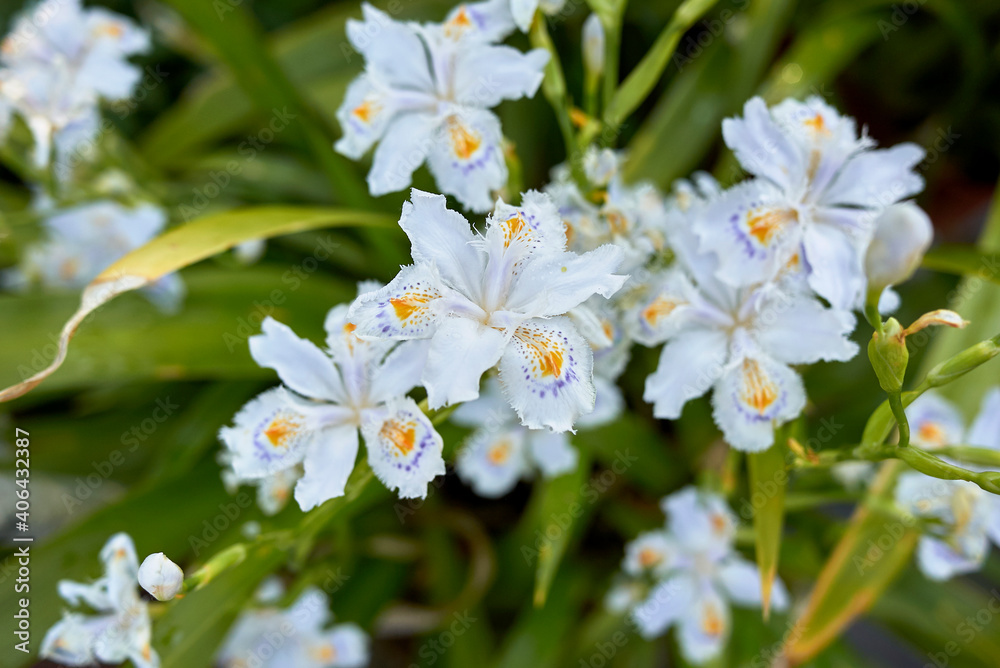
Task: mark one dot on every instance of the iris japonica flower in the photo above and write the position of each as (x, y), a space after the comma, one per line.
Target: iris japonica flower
(501, 451)
(308, 643)
(688, 573)
(631, 216)
(56, 65)
(313, 420)
(819, 188)
(495, 298)
(964, 518)
(426, 94)
(739, 342)
(84, 240)
(120, 631)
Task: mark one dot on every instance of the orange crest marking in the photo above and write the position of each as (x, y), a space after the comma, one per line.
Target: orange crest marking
(765, 225)
(932, 433)
(718, 523)
(711, 622)
(513, 227)
(458, 24)
(817, 124)
(648, 557)
(407, 305)
(660, 308)
(365, 111)
(464, 142)
(758, 391)
(281, 429)
(499, 453)
(402, 436)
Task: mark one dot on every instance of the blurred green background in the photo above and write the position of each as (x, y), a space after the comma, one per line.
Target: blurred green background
(909, 71)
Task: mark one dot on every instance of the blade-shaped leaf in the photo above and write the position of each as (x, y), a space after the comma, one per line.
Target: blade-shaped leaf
(768, 479)
(238, 41)
(191, 630)
(643, 78)
(184, 246)
(559, 514)
(875, 547)
(964, 260)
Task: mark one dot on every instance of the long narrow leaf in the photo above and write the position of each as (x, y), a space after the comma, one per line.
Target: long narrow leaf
(184, 246)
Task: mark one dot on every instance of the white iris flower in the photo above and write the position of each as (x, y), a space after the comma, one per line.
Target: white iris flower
(495, 298)
(739, 342)
(426, 94)
(120, 631)
(312, 421)
(819, 189)
(306, 640)
(56, 65)
(692, 573)
(965, 518)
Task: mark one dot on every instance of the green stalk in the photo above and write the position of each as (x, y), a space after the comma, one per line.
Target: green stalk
(554, 89)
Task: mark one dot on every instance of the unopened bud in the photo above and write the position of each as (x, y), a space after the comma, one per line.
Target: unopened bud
(161, 577)
(903, 233)
(964, 362)
(889, 356)
(593, 45)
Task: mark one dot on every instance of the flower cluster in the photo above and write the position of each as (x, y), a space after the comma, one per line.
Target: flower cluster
(120, 631)
(426, 95)
(306, 431)
(961, 519)
(687, 574)
(305, 640)
(56, 65)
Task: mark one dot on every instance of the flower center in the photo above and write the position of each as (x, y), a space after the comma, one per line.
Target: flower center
(281, 430)
(499, 453)
(660, 308)
(764, 226)
(648, 557)
(402, 436)
(758, 391)
(464, 142)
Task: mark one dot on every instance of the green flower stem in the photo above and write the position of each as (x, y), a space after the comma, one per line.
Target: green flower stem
(223, 561)
(554, 89)
(320, 517)
(896, 404)
(641, 81)
(612, 23)
(971, 455)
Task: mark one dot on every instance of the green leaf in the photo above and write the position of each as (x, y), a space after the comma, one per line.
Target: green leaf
(537, 637)
(860, 569)
(685, 122)
(190, 632)
(933, 615)
(131, 340)
(158, 518)
(235, 34)
(183, 246)
(768, 479)
(559, 512)
(964, 260)
(643, 78)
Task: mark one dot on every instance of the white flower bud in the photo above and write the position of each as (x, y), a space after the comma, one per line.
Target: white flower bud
(903, 233)
(593, 45)
(161, 577)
